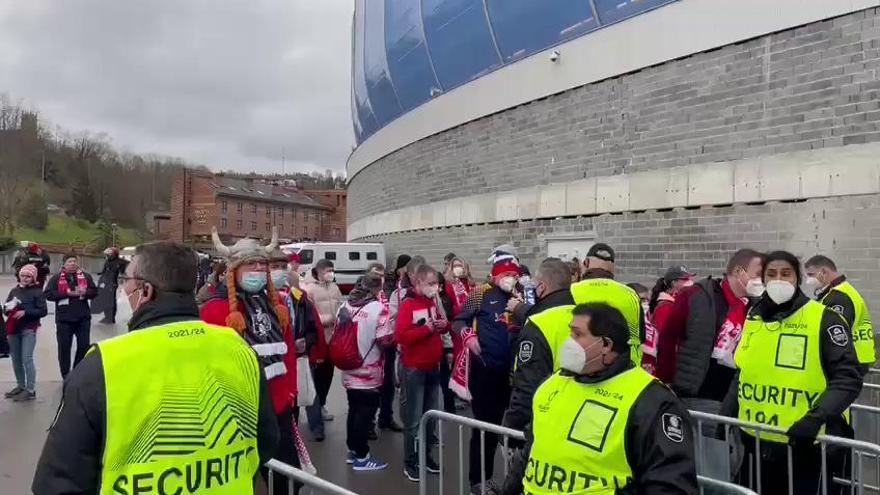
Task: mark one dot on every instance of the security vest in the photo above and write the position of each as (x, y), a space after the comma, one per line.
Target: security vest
(579, 434)
(182, 404)
(781, 376)
(553, 324)
(862, 330)
(616, 295)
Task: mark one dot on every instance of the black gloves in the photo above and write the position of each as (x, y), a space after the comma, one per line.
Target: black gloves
(804, 431)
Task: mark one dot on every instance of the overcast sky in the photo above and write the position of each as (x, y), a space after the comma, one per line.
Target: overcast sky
(226, 84)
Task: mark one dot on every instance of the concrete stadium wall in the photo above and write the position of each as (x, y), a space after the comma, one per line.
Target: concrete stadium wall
(793, 115)
(847, 229)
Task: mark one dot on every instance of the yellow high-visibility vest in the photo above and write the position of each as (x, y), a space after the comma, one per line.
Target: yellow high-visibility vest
(579, 434)
(182, 406)
(862, 330)
(619, 296)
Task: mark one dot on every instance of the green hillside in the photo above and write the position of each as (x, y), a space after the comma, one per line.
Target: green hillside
(66, 230)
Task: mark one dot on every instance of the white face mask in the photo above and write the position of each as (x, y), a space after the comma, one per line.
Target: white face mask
(430, 292)
(458, 271)
(755, 287)
(573, 357)
(780, 291)
(507, 284)
(812, 286)
(124, 303)
(525, 280)
(329, 276)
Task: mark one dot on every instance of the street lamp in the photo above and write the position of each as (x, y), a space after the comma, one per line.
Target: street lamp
(113, 228)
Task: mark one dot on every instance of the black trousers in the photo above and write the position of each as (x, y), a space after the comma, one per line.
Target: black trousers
(490, 389)
(4, 343)
(386, 391)
(65, 332)
(362, 406)
(286, 453)
(110, 311)
(806, 463)
(445, 375)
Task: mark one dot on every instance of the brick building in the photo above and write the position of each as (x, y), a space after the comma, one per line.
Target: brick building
(677, 136)
(247, 206)
(334, 229)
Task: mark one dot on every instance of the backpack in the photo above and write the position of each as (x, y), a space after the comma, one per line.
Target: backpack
(344, 350)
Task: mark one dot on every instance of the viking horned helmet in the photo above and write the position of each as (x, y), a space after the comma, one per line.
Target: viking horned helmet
(243, 250)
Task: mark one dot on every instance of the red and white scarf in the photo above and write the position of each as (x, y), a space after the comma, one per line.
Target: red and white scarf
(81, 283)
(727, 339)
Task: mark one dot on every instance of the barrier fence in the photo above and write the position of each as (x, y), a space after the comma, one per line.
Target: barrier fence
(851, 474)
(291, 476)
(439, 417)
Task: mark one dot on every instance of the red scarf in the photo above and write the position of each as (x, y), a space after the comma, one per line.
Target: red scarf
(727, 338)
(81, 283)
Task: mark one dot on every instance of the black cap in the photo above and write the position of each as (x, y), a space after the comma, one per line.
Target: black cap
(602, 251)
(677, 273)
(402, 260)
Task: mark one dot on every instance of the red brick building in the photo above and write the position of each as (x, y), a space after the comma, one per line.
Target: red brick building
(334, 229)
(250, 206)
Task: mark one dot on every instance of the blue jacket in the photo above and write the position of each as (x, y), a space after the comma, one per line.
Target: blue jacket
(488, 306)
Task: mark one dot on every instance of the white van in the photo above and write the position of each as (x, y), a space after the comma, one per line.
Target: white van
(350, 259)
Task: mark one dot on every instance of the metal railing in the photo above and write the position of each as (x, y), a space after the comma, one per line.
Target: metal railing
(858, 451)
(716, 486)
(293, 476)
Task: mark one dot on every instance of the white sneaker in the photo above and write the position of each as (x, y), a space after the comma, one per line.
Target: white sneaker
(326, 414)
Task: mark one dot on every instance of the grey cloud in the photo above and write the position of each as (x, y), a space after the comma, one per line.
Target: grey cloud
(223, 83)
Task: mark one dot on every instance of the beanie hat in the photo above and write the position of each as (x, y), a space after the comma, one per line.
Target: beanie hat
(28, 270)
(293, 258)
(402, 261)
(505, 266)
(502, 252)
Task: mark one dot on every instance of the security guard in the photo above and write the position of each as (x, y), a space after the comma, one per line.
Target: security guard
(177, 406)
(537, 357)
(833, 290)
(603, 424)
(797, 371)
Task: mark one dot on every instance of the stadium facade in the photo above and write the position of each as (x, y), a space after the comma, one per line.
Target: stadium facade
(676, 131)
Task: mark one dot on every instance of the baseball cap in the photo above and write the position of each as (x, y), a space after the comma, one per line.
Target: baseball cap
(677, 273)
(602, 251)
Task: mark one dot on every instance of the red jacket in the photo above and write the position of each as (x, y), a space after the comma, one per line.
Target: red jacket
(671, 326)
(420, 346)
(282, 388)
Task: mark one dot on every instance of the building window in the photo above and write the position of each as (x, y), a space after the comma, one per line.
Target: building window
(253, 208)
(268, 211)
(281, 211)
(305, 230)
(223, 223)
(281, 228)
(253, 225)
(223, 206)
(293, 214)
(268, 226)
(238, 224)
(238, 207)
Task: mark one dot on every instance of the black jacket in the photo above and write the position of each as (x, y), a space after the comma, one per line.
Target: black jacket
(697, 374)
(839, 364)
(32, 302)
(662, 463)
(40, 259)
(71, 309)
(534, 362)
(113, 269)
(71, 458)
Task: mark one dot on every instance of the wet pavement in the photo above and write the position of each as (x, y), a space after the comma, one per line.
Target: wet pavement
(23, 427)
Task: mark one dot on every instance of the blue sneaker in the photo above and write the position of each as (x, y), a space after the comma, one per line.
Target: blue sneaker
(369, 463)
(350, 457)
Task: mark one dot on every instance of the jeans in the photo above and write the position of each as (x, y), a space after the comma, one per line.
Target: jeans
(362, 406)
(490, 388)
(22, 351)
(420, 394)
(322, 374)
(386, 399)
(65, 332)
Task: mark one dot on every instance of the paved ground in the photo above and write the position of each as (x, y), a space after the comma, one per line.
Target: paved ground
(23, 428)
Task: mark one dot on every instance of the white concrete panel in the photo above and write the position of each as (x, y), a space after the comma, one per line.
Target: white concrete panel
(710, 184)
(469, 210)
(678, 30)
(438, 214)
(780, 178)
(453, 212)
(552, 200)
(426, 216)
(657, 189)
(580, 197)
(487, 210)
(612, 193)
(815, 180)
(856, 177)
(747, 180)
(527, 203)
(505, 206)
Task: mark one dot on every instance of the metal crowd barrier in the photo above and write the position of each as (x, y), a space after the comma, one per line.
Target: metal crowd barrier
(292, 475)
(858, 452)
(716, 486)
